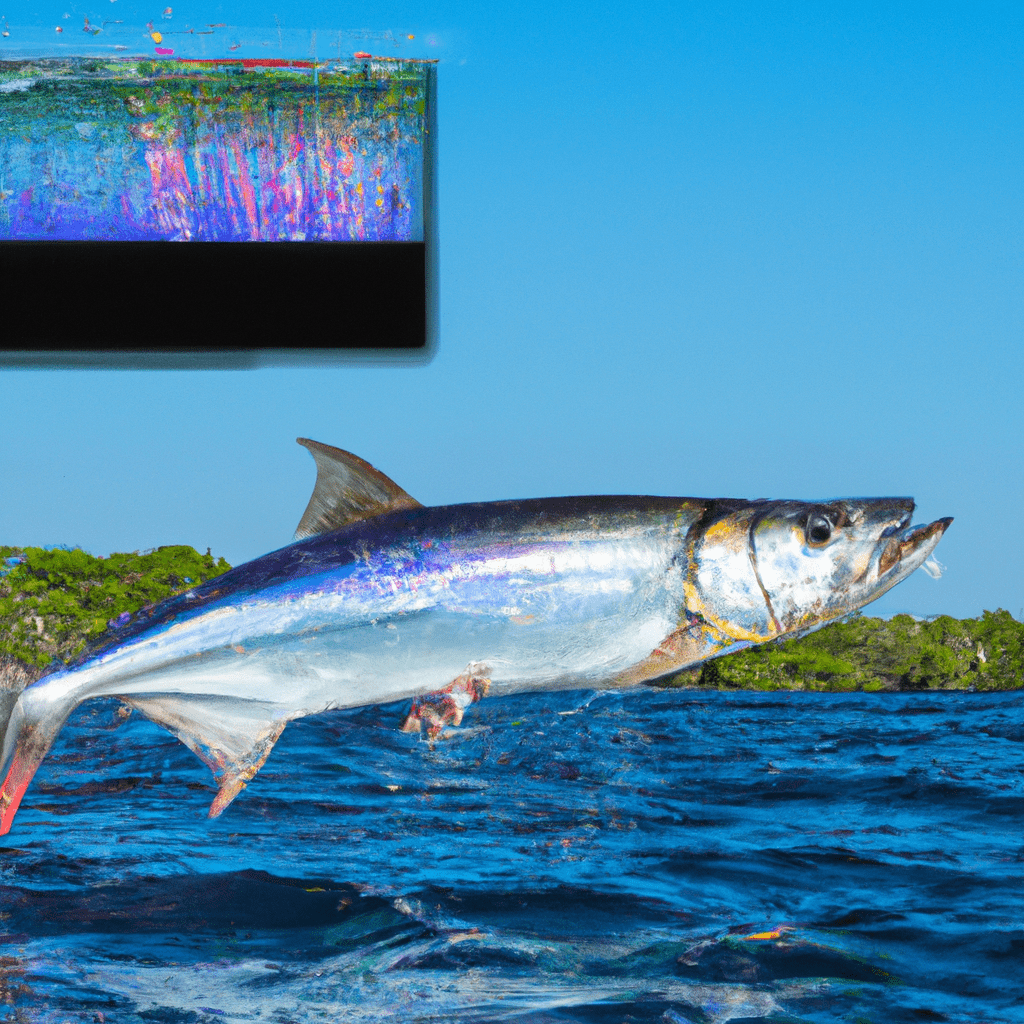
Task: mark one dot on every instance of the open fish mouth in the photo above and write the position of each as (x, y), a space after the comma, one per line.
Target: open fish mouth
(908, 548)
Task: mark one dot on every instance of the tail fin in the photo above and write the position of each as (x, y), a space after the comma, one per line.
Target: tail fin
(29, 723)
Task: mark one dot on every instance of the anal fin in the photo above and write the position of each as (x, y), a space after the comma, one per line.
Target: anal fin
(236, 776)
(232, 737)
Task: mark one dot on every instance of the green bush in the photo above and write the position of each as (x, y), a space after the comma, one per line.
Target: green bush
(862, 653)
(53, 602)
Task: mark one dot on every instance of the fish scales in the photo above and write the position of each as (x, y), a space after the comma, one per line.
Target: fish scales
(524, 577)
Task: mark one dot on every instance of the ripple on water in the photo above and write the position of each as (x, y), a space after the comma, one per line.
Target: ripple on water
(650, 856)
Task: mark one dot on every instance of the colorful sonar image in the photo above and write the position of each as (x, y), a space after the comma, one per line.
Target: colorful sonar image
(213, 150)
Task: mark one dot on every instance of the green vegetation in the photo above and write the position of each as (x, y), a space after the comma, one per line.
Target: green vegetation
(53, 602)
(863, 653)
(392, 77)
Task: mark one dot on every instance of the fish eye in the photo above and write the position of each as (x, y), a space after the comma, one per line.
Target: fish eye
(818, 530)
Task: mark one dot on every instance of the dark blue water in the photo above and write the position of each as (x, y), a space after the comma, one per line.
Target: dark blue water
(563, 857)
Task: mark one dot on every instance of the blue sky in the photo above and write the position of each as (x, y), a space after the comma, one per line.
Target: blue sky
(689, 249)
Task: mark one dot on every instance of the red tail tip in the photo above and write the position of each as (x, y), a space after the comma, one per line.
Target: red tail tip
(12, 791)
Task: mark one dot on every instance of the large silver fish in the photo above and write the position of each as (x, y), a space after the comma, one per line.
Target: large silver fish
(381, 599)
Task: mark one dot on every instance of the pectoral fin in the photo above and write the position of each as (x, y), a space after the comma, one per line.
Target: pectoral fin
(689, 645)
(447, 706)
(233, 737)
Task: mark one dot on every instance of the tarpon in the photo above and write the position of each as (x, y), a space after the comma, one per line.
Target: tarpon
(381, 599)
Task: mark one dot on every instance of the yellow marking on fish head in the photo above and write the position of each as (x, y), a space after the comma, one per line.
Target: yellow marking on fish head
(722, 584)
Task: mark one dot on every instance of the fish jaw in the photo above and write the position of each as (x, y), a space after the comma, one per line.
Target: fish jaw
(905, 552)
(910, 549)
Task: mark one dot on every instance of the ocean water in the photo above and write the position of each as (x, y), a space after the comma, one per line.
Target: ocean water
(686, 857)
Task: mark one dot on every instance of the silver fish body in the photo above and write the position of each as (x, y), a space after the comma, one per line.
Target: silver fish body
(382, 599)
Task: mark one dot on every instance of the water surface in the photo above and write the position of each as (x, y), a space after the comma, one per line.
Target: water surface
(671, 856)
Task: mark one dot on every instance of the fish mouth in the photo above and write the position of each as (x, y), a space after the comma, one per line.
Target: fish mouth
(909, 547)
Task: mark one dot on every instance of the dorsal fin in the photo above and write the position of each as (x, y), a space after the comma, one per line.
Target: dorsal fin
(347, 490)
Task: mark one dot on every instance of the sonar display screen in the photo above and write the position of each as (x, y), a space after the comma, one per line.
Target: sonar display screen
(102, 159)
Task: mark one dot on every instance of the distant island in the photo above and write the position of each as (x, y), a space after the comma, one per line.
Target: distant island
(53, 601)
